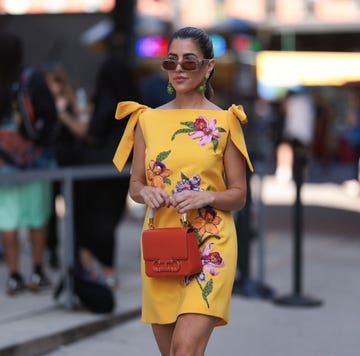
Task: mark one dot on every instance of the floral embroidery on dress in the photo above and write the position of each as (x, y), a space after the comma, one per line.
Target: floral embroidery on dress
(186, 183)
(211, 260)
(205, 226)
(206, 221)
(202, 129)
(157, 173)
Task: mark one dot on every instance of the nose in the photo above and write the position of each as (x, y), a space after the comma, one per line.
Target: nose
(178, 65)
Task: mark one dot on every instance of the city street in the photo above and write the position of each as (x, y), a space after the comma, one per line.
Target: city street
(259, 327)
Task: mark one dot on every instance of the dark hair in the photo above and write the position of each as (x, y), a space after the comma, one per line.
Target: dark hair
(202, 39)
(11, 50)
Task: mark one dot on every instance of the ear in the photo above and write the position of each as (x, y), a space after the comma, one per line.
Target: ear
(211, 65)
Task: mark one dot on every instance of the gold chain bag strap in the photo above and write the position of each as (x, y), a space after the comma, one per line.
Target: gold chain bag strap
(171, 251)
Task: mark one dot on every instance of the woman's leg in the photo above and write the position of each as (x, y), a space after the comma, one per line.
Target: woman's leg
(163, 336)
(38, 244)
(15, 282)
(191, 334)
(11, 249)
(38, 279)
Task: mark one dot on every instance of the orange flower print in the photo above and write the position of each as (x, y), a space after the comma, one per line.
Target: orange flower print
(157, 173)
(207, 221)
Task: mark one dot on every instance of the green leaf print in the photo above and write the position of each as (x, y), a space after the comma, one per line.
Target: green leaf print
(163, 155)
(201, 242)
(189, 124)
(179, 132)
(215, 143)
(220, 129)
(206, 290)
(183, 176)
(167, 181)
(198, 237)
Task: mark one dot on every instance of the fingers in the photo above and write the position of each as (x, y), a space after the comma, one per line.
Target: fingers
(155, 198)
(189, 200)
(183, 201)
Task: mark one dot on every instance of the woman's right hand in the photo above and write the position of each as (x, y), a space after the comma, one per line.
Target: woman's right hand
(155, 197)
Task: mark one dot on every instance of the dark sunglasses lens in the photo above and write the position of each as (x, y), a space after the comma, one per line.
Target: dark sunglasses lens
(168, 64)
(189, 65)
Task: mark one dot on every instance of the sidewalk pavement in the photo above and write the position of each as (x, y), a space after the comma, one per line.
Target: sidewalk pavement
(35, 324)
(32, 324)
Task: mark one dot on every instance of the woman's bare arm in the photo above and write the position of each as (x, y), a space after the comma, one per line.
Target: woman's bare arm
(140, 192)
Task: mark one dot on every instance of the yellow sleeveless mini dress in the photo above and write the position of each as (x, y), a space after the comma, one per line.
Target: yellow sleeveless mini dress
(184, 150)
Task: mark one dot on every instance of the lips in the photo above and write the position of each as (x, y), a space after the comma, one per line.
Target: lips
(179, 79)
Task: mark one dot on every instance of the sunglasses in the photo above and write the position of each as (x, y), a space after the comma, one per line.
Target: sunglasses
(188, 65)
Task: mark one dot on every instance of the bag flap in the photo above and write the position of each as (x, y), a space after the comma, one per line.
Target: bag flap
(166, 243)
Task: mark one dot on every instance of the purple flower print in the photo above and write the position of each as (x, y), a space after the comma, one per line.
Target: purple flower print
(188, 184)
(195, 182)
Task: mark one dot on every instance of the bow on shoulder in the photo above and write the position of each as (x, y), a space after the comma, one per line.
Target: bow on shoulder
(126, 144)
(237, 116)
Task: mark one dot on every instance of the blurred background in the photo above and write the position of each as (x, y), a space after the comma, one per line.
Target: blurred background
(268, 53)
(263, 49)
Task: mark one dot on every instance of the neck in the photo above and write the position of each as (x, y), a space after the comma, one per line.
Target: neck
(190, 101)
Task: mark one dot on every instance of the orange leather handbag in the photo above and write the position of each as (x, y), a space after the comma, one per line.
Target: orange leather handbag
(170, 252)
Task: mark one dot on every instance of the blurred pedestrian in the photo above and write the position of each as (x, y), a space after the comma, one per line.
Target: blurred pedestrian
(27, 117)
(324, 119)
(68, 140)
(353, 120)
(189, 157)
(99, 204)
(297, 132)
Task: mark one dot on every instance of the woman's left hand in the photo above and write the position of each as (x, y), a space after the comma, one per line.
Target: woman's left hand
(190, 199)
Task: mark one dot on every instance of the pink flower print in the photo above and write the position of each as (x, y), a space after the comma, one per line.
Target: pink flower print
(205, 130)
(200, 123)
(211, 260)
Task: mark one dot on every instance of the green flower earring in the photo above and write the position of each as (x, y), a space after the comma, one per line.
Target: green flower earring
(202, 86)
(170, 89)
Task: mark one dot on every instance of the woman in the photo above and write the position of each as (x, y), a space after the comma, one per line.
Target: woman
(194, 157)
(24, 205)
(93, 143)
(70, 129)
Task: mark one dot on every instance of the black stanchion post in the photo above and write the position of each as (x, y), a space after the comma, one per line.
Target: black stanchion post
(244, 284)
(297, 298)
(264, 290)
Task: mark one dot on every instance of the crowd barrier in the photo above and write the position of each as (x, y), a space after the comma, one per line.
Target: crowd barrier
(66, 177)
